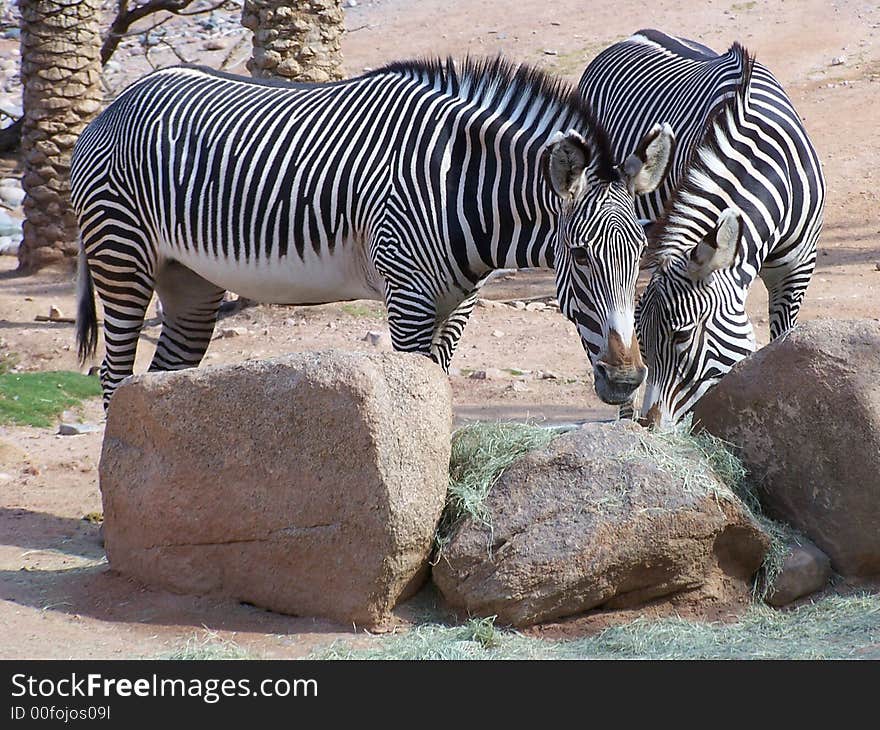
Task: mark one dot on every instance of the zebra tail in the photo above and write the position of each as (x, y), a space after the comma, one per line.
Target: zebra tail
(86, 316)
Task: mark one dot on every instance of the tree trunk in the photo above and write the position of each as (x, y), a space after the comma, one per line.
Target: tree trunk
(60, 74)
(297, 40)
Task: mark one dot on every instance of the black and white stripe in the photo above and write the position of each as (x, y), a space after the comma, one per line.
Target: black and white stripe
(409, 184)
(745, 198)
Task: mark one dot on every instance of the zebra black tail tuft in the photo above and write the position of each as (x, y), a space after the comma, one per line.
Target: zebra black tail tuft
(86, 316)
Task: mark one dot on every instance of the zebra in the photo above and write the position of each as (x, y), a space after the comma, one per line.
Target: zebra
(744, 198)
(409, 184)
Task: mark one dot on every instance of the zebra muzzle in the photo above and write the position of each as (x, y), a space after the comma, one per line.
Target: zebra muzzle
(616, 384)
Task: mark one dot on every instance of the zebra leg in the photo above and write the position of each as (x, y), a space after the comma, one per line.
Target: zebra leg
(412, 317)
(448, 334)
(125, 290)
(189, 313)
(786, 288)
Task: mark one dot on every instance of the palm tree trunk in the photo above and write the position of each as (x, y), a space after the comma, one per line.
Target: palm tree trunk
(60, 73)
(297, 40)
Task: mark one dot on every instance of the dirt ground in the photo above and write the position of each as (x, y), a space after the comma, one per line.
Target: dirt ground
(58, 599)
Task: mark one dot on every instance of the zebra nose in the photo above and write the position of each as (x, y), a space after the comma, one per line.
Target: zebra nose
(616, 384)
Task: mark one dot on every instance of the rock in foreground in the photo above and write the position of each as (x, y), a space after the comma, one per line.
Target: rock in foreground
(805, 414)
(805, 570)
(309, 484)
(594, 521)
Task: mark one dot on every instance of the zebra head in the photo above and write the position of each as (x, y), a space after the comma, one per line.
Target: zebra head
(597, 251)
(692, 320)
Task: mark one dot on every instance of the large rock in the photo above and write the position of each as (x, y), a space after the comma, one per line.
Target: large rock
(805, 570)
(805, 414)
(309, 484)
(593, 521)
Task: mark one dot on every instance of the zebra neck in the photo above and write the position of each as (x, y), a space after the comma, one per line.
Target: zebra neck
(516, 230)
(682, 236)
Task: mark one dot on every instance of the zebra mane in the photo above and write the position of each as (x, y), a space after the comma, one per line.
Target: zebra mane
(705, 155)
(498, 82)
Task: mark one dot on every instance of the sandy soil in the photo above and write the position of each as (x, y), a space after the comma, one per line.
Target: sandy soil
(57, 596)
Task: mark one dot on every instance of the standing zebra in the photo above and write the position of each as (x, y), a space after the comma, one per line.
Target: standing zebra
(411, 183)
(745, 197)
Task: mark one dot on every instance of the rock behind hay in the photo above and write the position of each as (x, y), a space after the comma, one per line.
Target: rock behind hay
(309, 484)
(804, 413)
(804, 570)
(595, 521)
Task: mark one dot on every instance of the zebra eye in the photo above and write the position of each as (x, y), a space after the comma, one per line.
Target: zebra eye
(580, 255)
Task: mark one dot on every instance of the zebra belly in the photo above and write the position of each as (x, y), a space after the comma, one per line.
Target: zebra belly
(331, 277)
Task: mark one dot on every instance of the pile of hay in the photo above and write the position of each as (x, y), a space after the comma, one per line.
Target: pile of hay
(482, 451)
(832, 628)
(480, 454)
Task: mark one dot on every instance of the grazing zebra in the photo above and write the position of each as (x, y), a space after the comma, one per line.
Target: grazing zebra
(411, 183)
(744, 198)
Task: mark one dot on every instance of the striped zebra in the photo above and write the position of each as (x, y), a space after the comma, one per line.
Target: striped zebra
(410, 184)
(744, 198)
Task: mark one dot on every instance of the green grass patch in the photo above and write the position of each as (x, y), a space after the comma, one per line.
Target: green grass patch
(364, 311)
(8, 360)
(574, 62)
(832, 628)
(477, 639)
(37, 399)
(701, 463)
(480, 454)
(208, 647)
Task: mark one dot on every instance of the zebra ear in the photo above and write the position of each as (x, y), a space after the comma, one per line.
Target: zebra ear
(718, 249)
(645, 168)
(564, 161)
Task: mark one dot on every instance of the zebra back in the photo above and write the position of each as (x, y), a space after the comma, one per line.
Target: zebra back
(250, 170)
(653, 78)
(754, 157)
